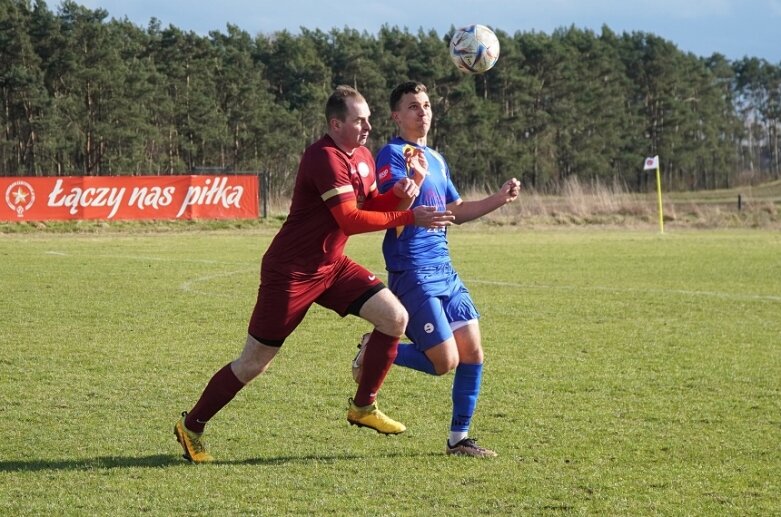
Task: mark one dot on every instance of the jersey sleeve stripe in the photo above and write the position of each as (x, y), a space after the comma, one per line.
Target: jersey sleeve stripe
(336, 191)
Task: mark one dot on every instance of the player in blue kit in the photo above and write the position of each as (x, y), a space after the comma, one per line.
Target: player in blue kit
(443, 323)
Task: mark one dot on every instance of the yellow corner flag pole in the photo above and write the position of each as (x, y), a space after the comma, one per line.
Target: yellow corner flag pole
(659, 195)
(650, 164)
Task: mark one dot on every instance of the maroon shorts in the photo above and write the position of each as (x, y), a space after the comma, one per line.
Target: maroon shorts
(285, 296)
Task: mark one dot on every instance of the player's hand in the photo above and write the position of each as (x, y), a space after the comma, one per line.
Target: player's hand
(429, 217)
(405, 188)
(510, 190)
(417, 163)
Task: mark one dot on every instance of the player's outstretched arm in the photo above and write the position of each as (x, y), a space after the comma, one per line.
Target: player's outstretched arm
(353, 220)
(400, 197)
(465, 211)
(429, 217)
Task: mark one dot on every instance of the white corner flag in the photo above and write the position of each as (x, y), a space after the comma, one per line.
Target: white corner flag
(651, 163)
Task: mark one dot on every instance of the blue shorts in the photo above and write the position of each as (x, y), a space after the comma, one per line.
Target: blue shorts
(435, 298)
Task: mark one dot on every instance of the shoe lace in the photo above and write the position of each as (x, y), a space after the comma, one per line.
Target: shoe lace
(381, 416)
(199, 446)
(470, 443)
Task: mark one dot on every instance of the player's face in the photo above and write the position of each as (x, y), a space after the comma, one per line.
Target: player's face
(413, 116)
(354, 130)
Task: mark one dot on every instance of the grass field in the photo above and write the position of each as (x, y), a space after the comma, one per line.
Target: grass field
(627, 373)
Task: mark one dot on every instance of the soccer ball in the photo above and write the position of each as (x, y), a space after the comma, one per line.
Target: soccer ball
(474, 49)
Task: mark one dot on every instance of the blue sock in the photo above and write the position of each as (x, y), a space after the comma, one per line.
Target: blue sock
(411, 357)
(466, 388)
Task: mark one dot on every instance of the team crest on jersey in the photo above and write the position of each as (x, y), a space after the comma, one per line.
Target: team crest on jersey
(363, 169)
(20, 196)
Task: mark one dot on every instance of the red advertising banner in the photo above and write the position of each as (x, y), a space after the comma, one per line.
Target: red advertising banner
(128, 197)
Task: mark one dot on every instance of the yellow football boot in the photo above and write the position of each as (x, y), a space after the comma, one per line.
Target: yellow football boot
(370, 416)
(192, 443)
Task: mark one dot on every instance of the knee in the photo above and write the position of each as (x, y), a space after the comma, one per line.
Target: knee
(246, 369)
(394, 321)
(401, 319)
(473, 356)
(443, 370)
(445, 365)
(254, 360)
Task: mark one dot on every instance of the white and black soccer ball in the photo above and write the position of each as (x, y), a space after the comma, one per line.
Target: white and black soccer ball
(474, 49)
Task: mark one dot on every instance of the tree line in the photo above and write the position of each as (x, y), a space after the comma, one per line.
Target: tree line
(83, 94)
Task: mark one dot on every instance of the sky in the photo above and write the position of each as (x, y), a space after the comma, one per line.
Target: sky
(733, 28)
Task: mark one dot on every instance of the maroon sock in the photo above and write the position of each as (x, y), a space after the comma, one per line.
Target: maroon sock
(381, 350)
(220, 390)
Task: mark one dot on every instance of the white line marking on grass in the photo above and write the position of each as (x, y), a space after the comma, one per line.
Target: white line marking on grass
(178, 260)
(188, 285)
(683, 292)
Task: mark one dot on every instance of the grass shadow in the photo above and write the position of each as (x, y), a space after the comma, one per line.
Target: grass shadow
(320, 458)
(101, 462)
(167, 460)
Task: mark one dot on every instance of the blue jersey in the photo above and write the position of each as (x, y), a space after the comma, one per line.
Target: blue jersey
(413, 247)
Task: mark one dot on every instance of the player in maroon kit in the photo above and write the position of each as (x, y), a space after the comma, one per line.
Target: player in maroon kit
(305, 264)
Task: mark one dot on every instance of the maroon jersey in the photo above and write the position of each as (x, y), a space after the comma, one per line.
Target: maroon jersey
(327, 176)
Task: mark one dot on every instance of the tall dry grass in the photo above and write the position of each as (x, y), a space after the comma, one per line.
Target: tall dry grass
(576, 203)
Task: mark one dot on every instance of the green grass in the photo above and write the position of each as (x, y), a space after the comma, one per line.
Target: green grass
(627, 373)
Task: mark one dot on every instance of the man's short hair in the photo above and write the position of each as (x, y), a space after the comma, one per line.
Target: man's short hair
(402, 89)
(336, 107)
